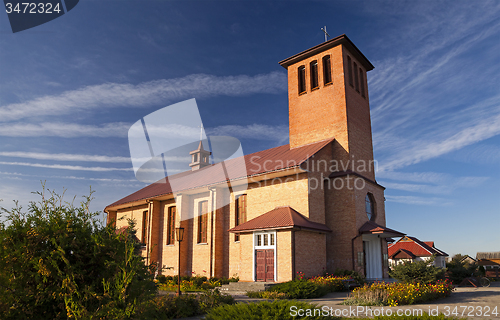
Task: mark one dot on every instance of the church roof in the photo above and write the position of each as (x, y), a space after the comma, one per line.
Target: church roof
(270, 160)
(415, 246)
(280, 218)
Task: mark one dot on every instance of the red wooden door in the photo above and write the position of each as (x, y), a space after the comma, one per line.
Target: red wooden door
(270, 265)
(264, 265)
(260, 269)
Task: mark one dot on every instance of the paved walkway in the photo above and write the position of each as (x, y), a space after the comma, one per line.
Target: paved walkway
(471, 303)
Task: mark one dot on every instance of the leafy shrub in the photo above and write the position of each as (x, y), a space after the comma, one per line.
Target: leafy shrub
(300, 289)
(183, 306)
(419, 271)
(58, 261)
(161, 279)
(213, 299)
(356, 276)
(394, 294)
(458, 270)
(280, 309)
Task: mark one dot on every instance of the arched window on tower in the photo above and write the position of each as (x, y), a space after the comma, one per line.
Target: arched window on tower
(302, 79)
(327, 70)
(370, 207)
(356, 80)
(313, 67)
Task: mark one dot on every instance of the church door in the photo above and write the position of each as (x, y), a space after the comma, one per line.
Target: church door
(264, 265)
(265, 256)
(373, 257)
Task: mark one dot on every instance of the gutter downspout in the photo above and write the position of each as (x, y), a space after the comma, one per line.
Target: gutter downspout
(212, 192)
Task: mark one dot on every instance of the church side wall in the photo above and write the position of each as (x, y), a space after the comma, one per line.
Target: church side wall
(310, 253)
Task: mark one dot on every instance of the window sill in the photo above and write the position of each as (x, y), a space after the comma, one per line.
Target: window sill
(202, 244)
(170, 245)
(328, 84)
(314, 89)
(302, 93)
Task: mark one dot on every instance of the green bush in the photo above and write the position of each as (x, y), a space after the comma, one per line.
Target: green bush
(186, 305)
(300, 289)
(161, 279)
(459, 270)
(58, 261)
(280, 309)
(356, 276)
(419, 271)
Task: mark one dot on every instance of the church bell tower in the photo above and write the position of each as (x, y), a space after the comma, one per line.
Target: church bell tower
(328, 98)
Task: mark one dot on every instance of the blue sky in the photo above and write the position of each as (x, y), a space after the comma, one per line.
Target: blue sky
(71, 88)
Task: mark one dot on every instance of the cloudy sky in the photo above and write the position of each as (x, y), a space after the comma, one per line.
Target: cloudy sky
(70, 90)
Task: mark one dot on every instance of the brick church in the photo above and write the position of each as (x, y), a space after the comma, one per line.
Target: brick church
(310, 206)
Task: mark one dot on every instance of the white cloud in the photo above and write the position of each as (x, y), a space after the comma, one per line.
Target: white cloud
(61, 166)
(254, 131)
(63, 156)
(63, 130)
(112, 95)
(419, 200)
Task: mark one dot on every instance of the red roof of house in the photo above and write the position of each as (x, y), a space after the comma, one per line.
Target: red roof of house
(371, 227)
(416, 247)
(280, 218)
(403, 254)
(270, 160)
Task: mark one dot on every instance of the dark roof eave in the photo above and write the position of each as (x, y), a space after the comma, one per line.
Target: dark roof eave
(280, 228)
(342, 39)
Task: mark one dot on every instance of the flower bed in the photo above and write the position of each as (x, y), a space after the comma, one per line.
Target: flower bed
(394, 294)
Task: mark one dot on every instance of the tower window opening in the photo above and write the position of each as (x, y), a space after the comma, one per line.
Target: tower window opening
(314, 74)
(327, 70)
(356, 80)
(302, 79)
(349, 70)
(362, 82)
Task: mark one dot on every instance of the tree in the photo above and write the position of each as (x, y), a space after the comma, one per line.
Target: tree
(57, 262)
(418, 271)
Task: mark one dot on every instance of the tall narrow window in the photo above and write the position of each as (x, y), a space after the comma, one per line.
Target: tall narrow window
(362, 82)
(356, 80)
(314, 74)
(349, 70)
(369, 207)
(241, 213)
(202, 221)
(327, 70)
(302, 79)
(171, 225)
(144, 227)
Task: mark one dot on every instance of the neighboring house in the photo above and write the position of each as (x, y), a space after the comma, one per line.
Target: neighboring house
(491, 263)
(468, 259)
(310, 206)
(412, 249)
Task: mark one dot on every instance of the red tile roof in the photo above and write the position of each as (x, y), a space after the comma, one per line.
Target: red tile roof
(280, 218)
(403, 254)
(270, 160)
(415, 246)
(371, 227)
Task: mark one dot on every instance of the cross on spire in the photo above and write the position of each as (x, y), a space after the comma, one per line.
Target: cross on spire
(326, 33)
